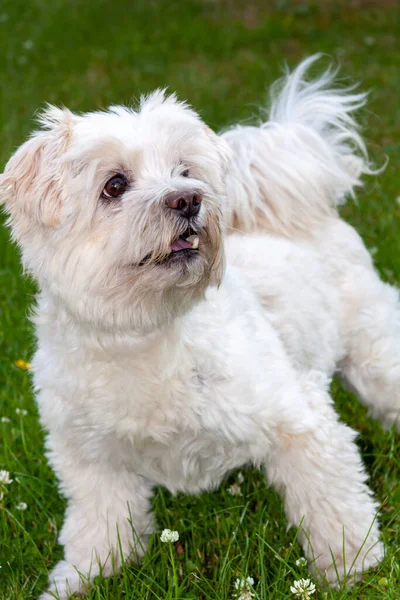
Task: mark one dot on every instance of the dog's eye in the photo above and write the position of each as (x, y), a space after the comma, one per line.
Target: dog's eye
(185, 173)
(115, 187)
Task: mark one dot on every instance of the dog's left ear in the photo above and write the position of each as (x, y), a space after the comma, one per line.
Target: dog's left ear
(32, 180)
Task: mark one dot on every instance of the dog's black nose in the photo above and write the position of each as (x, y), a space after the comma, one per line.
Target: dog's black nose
(186, 203)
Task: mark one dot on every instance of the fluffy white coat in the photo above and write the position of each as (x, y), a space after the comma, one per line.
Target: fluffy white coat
(158, 370)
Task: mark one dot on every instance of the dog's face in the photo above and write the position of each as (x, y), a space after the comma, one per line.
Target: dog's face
(119, 213)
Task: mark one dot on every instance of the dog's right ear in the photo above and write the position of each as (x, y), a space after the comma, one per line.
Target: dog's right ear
(32, 180)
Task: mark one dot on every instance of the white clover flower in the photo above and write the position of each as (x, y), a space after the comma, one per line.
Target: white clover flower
(21, 506)
(28, 44)
(240, 584)
(5, 420)
(234, 490)
(301, 562)
(21, 411)
(242, 587)
(369, 40)
(5, 477)
(240, 478)
(169, 536)
(303, 588)
(246, 595)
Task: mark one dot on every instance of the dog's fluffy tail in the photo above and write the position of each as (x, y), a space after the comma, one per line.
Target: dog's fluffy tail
(292, 171)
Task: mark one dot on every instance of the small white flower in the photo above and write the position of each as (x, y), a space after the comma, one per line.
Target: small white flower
(21, 411)
(242, 587)
(303, 588)
(21, 506)
(246, 595)
(28, 44)
(240, 478)
(369, 40)
(5, 477)
(240, 584)
(169, 536)
(5, 420)
(234, 490)
(373, 250)
(301, 562)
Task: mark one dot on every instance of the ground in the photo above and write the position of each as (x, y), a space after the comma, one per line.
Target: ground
(221, 56)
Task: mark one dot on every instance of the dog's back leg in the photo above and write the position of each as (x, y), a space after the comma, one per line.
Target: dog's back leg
(372, 364)
(320, 475)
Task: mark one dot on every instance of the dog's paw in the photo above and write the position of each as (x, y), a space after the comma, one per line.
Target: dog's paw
(64, 580)
(337, 571)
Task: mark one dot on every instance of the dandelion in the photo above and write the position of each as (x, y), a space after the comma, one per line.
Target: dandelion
(301, 562)
(22, 364)
(21, 411)
(5, 420)
(303, 588)
(169, 536)
(243, 588)
(5, 477)
(21, 506)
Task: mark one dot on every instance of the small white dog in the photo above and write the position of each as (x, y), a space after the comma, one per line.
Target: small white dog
(157, 367)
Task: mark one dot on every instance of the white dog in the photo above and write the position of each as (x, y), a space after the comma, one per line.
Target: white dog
(157, 367)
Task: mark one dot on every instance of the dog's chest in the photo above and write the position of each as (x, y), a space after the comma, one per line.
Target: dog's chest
(173, 430)
(181, 409)
(188, 462)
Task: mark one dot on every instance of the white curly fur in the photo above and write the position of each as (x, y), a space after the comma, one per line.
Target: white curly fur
(148, 373)
(290, 172)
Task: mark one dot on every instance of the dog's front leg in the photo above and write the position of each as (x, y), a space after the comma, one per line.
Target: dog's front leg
(107, 515)
(322, 480)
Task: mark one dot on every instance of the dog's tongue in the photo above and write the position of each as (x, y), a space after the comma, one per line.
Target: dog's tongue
(180, 244)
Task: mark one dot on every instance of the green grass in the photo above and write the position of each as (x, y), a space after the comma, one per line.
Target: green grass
(221, 57)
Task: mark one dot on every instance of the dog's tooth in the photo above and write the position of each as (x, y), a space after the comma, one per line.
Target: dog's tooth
(194, 240)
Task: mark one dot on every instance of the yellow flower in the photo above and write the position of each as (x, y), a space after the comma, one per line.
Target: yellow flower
(22, 364)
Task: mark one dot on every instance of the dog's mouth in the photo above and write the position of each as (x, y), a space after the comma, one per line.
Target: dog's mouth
(189, 240)
(184, 246)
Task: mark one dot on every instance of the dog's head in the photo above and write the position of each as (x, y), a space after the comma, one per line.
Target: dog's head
(119, 213)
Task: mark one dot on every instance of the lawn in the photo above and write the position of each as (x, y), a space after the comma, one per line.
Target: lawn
(221, 56)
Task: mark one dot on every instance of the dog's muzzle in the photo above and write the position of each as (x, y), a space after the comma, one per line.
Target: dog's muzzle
(187, 204)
